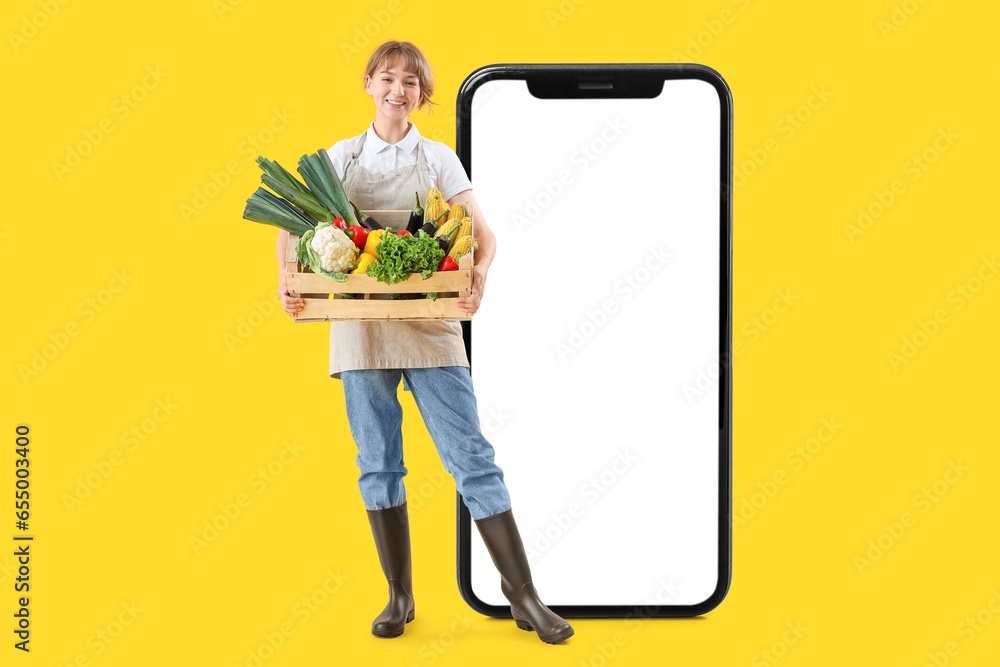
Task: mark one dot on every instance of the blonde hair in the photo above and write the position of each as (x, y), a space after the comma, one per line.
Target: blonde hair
(414, 61)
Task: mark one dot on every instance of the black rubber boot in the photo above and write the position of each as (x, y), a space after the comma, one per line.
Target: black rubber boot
(391, 528)
(504, 544)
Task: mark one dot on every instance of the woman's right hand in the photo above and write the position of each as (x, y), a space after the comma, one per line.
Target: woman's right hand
(292, 305)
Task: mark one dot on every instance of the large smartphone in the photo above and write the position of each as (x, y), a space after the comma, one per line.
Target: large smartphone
(601, 355)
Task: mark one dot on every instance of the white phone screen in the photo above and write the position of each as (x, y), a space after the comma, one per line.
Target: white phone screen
(601, 309)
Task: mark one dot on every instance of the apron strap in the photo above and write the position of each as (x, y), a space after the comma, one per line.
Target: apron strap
(354, 155)
(361, 142)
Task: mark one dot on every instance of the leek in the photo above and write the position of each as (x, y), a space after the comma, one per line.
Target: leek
(278, 179)
(279, 173)
(264, 207)
(340, 196)
(305, 201)
(318, 173)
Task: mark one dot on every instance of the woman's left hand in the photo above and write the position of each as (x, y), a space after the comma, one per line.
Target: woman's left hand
(470, 304)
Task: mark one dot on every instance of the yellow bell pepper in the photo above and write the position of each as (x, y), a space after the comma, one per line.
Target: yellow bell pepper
(364, 259)
(374, 238)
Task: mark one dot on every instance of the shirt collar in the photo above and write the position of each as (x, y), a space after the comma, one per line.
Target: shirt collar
(407, 143)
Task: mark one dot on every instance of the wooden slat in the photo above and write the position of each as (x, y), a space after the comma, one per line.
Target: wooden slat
(293, 267)
(440, 281)
(290, 256)
(291, 261)
(322, 310)
(396, 219)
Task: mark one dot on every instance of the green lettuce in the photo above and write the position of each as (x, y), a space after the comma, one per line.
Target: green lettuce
(399, 257)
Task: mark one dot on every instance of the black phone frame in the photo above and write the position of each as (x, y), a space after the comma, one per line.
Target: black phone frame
(608, 80)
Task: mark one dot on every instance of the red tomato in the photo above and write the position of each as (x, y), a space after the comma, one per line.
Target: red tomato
(404, 232)
(339, 223)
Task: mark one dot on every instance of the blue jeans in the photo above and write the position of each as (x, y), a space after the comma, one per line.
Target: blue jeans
(447, 403)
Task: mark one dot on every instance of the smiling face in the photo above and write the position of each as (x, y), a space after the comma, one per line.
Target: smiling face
(395, 90)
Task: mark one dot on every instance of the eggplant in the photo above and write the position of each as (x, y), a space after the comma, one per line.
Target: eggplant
(444, 242)
(416, 216)
(453, 237)
(365, 220)
(431, 226)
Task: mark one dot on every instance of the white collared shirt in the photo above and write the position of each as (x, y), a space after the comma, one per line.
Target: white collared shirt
(446, 170)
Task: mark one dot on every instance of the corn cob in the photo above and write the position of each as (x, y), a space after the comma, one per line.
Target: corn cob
(463, 246)
(434, 205)
(466, 229)
(457, 212)
(447, 228)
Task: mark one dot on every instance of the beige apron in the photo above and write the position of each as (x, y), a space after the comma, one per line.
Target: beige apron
(392, 344)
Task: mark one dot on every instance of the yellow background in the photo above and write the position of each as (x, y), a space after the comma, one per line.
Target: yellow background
(190, 322)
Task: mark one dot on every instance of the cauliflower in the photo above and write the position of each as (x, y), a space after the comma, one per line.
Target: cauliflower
(336, 250)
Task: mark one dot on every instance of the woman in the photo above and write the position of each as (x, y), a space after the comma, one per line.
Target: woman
(382, 168)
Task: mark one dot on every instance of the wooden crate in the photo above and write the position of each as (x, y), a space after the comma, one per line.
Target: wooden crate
(316, 290)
